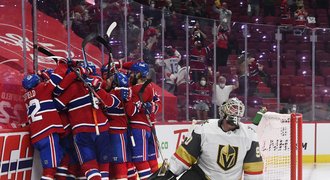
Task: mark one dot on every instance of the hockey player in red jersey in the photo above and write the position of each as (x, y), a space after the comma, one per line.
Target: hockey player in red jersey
(45, 122)
(92, 149)
(221, 148)
(142, 115)
(69, 166)
(119, 136)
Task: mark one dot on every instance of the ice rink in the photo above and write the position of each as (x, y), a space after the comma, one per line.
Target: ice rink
(320, 171)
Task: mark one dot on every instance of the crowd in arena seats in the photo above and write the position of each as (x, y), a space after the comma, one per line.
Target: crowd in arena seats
(229, 42)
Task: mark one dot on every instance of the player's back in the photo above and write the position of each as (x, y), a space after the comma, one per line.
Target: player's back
(116, 114)
(42, 114)
(139, 118)
(78, 101)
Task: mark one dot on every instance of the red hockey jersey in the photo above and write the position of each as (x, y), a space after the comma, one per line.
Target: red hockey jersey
(134, 108)
(77, 100)
(42, 114)
(200, 93)
(114, 110)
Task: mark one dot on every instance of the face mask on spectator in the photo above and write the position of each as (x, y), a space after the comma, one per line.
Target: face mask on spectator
(203, 82)
(222, 85)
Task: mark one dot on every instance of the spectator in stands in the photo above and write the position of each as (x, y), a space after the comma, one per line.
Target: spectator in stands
(152, 16)
(222, 50)
(197, 34)
(193, 8)
(134, 32)
(198, 59)
(150, 46)
(269, 7)
(171, 65)
(170, 18)
(300, 16)
(254, 7)
(284, 9)
(224, 15)
(254, 73)
(221, 91)
(201, 97)
(292, 7)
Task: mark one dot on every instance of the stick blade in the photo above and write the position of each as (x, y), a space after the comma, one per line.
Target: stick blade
(111, 28)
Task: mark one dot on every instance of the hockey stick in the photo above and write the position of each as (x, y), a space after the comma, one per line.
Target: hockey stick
(91, 90)
(105, 43)
(92, 93)
(153, 130)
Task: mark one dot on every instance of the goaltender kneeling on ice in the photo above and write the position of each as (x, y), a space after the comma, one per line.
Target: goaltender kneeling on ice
(218, 149)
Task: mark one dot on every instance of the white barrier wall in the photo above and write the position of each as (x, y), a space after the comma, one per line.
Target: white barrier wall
(16, 152)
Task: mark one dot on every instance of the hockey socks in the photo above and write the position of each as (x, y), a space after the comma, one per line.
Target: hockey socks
(48, 173)
(91, 170)
(118, 171)
(153, 165)
(143, 169)
(131, 171)
(104, 169)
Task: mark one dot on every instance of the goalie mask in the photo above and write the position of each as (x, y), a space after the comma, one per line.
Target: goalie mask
(232, 111)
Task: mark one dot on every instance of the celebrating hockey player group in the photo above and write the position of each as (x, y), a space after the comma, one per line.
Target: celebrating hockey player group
(92, 126)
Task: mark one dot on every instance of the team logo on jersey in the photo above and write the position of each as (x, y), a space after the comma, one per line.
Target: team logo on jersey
(227, 156)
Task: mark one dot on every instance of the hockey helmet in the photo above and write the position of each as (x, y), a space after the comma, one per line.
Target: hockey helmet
(232, 111)
(140, 67)
(30, 81)
(92, 66)
(121, 80)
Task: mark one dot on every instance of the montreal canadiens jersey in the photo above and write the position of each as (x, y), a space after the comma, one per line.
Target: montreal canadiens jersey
(78, 102)
(136, 112)
(114, 110)
(171, 67)
(42, 114)
(221, 155)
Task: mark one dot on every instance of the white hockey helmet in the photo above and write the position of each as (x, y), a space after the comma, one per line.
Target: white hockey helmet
(232, 110)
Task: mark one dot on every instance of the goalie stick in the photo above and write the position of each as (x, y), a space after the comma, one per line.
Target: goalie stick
(153, 130)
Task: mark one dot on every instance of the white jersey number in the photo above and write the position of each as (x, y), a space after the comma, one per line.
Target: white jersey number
(36, 104)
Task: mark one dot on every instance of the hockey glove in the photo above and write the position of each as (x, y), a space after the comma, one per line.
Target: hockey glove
(148, 107)
(83, 72)
(125, 93)
(94, 82)
(45, 74)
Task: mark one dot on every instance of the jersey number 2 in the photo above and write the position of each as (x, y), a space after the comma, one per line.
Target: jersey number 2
(36, 104)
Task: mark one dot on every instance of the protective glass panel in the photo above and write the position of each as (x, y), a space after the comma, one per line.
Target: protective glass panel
(14, 54)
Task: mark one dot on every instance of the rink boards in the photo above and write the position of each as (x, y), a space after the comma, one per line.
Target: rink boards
(17, 153)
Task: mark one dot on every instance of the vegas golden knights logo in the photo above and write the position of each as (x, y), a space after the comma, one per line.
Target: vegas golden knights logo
(227, 156)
